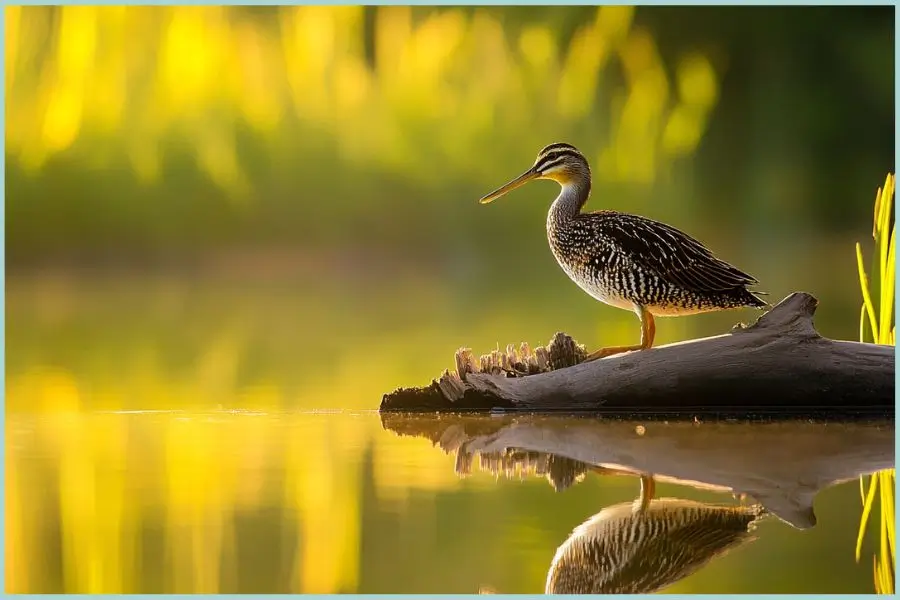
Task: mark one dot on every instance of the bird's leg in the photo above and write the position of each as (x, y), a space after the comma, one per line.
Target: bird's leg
(648, 332)
(648, 490)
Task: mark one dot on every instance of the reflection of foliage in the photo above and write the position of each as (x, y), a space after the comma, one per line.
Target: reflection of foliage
(100, 485)
(451, 77)
(880, 320)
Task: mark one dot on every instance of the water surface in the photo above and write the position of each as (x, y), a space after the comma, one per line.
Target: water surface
(232, 501)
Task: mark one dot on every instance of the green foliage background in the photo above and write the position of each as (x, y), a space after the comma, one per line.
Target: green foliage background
(168, 133)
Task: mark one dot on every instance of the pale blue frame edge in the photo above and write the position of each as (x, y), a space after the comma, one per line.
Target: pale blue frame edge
(384, 2)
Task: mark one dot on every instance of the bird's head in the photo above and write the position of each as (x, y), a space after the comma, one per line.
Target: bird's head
(561, 162)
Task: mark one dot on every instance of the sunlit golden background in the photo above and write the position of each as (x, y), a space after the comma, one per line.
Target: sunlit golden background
(273, 210)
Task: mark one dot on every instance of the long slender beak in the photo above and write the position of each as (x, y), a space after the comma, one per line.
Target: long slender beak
(517, 182)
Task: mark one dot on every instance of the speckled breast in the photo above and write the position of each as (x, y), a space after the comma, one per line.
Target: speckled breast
(593, 270)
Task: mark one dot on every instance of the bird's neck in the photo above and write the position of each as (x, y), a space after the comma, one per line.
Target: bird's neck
(571, 198)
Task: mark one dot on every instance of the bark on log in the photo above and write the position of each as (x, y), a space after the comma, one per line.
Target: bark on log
(779, 366)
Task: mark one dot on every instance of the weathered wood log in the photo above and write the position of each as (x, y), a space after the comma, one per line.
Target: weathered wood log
(780, 365)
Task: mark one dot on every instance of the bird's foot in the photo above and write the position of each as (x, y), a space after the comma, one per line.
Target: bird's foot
(611, 350)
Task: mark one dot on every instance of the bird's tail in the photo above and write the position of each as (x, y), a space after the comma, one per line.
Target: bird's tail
(753, 299)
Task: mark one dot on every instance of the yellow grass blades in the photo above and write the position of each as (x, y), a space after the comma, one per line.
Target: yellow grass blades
(881, 324)
(867, 299)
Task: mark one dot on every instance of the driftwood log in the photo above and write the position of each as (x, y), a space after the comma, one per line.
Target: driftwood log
(779, 366)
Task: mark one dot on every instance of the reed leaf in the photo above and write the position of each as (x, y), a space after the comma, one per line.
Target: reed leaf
(864, 283)
(880, 486)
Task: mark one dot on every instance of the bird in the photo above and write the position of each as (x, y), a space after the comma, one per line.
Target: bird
(629, 261)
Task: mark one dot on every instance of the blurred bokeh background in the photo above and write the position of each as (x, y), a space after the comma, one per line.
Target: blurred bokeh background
(270, 209)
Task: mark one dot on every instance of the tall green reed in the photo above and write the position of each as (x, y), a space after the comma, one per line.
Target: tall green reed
(880, 321)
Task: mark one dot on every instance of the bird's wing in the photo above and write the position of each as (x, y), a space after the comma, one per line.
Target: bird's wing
(671, 254)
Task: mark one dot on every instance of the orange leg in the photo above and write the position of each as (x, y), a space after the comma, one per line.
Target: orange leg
(648, 486)
(648, 491)
(648, 332)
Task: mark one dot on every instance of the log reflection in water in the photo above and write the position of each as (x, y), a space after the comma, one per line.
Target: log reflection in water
(781, 465)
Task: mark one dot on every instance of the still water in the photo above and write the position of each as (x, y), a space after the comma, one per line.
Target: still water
(250, 502)
(164, 439)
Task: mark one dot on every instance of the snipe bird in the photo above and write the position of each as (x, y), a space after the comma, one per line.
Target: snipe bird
(628, 261)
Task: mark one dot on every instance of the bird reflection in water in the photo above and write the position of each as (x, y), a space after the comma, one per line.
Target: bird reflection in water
(621, 550)
(634, 547)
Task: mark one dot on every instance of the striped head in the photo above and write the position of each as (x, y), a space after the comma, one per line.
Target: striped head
(561, 162)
